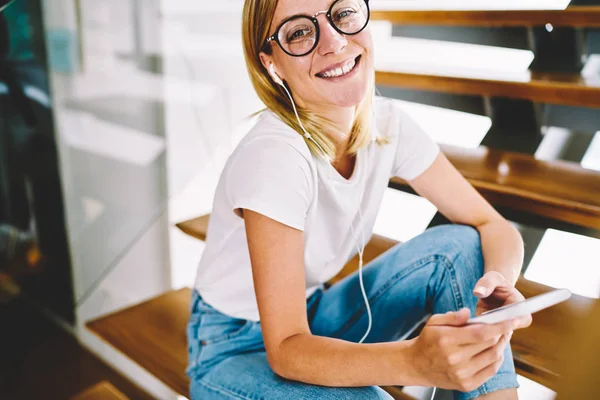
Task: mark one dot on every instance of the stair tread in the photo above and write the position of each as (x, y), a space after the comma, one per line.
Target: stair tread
(575, 16)
(551, 87)
(101, 391)
(153, 335)
(560, 190)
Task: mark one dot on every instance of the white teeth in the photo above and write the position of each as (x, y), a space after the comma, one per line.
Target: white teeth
(334, 73)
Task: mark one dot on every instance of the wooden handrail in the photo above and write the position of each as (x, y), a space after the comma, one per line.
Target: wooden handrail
(553, 88)
(560, 190)
(588, 16)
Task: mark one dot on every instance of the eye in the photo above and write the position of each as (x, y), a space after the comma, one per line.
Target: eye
(345, 13)
(298, 34)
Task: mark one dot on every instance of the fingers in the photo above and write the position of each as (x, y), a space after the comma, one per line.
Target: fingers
(471, 350)
(479, 333)
(488, 283)
(452, 318)
(483, 366)
(490, 355)
(525, 321)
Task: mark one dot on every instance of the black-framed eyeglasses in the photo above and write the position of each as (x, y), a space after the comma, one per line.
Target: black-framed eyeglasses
(299, 35)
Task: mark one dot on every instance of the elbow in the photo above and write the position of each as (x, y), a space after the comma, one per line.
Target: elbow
(279, 359)
(278, 365)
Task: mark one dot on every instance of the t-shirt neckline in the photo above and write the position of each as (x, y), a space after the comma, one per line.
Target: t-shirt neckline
(333, 175)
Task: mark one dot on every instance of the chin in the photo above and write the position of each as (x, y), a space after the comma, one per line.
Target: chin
(348, 98)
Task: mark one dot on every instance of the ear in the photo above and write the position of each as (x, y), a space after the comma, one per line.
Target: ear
(266, 60)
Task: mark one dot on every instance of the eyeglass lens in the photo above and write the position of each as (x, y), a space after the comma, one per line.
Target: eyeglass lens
(299, 36)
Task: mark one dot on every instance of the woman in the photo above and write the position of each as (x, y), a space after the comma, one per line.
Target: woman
(298, 198)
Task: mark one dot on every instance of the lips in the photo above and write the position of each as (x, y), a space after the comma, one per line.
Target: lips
(339, 69)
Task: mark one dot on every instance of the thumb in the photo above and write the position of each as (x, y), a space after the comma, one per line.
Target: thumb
(452, 318)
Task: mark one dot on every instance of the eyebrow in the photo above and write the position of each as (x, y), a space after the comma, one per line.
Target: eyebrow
(301, 15)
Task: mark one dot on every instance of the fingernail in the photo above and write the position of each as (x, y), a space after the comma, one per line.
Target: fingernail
(480, 290)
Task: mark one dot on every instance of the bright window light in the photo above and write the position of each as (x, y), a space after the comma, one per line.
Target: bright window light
(567, 260)
(532, 390)
(449, 126)
(552, 145)
(403, 216)
(591, 159)
(96, 136)
(591, 70)
(435, 57)
(470, 4)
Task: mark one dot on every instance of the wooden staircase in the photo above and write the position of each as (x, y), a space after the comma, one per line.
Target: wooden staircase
(153, 333)
(556, 88)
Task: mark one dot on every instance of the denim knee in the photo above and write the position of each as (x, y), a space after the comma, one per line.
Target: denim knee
(462, 244)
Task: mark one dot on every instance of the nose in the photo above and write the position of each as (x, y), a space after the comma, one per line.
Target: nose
(331, 41)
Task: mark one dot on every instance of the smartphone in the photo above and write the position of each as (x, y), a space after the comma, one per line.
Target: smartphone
(522, 308)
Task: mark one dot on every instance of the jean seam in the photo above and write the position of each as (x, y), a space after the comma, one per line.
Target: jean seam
(242, 330)
(226, 391)
(455, 285)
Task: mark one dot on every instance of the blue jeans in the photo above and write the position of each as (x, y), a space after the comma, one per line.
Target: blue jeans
(431, 274)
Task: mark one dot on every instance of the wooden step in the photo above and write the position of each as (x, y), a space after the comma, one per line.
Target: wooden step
(582, 16)
(553, 88)
(560, 190)
(102, 391)
(153, 335)
(196, 227)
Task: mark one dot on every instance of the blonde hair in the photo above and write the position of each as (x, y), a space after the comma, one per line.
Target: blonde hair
(256, 23)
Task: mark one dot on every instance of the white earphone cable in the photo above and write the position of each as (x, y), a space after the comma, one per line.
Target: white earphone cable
(360, 274)
(358, 248)
(306, 134)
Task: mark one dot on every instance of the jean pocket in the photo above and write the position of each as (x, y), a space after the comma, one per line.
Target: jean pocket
(215, 327)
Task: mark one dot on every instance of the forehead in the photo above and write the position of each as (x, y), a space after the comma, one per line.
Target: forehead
(288, 8)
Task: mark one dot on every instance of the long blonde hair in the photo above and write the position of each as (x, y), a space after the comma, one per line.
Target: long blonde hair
(256, 23)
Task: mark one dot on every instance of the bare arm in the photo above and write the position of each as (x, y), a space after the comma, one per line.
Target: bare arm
(458, 201)
(276, 253)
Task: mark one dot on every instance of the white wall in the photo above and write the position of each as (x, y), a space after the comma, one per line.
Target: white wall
(140, 148)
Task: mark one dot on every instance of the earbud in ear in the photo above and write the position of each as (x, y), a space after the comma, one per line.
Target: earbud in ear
(274, 75)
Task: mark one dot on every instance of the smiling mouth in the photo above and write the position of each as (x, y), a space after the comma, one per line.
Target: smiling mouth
(342, 71)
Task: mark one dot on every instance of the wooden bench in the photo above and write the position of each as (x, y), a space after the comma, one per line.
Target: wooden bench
(559, 190)
(553, 88)
(160, 346)
(576, 16)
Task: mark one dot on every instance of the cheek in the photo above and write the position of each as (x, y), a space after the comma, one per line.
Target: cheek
(296, 69)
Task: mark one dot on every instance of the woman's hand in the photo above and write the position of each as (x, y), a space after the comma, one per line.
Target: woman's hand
(451, 355)
(493, 291)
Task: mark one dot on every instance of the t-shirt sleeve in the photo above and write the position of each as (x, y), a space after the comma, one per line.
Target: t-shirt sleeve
(272, 178)
(415, 151)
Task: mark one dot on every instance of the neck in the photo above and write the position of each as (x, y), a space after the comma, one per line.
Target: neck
(344, 118)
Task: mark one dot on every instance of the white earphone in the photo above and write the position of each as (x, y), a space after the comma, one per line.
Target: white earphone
(274, 75)
(307, 135)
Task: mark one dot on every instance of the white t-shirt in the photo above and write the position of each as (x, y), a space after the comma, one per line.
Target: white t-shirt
(272, 172)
